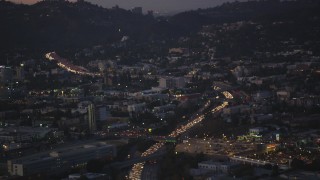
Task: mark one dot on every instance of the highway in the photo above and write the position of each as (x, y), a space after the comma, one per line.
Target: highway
(65, 64)
(137, 169)
(129, 162)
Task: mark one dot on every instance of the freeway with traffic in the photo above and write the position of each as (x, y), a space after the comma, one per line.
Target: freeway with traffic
(137, 169)
(65, 64)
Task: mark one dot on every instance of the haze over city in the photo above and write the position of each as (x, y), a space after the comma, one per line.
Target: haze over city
(147, 90)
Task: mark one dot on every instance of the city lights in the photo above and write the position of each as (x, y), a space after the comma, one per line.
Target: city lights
(64, 64)
(137, 169)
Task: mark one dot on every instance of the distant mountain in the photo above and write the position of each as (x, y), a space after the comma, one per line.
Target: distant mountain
(260, 10)
(64, 24)
(59, 24)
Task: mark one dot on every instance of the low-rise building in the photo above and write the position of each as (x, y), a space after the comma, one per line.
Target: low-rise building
(136, 108)
(219, 167)
(172, 82)
(61, 159)
(210, 168)
(22, 134)
(236, 109)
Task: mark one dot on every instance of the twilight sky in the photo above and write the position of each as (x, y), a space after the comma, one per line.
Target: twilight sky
(156, 5)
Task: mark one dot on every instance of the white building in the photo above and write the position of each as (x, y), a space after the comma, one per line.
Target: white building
(212, 167)
(283, 95)
(136, 107)
(256, 130)
(221, 167)
(172, 82)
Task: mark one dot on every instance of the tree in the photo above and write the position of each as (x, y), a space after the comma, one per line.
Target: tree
(95, 165)
(297, 163)
(242, 170)
(315, 165)
(83, 177)
(275, 170)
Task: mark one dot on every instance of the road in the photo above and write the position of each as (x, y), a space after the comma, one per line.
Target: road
(65, 64)
(137, 169)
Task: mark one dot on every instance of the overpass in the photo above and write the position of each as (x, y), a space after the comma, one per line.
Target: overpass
(256, 162)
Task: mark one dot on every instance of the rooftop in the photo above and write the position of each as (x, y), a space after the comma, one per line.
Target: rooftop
(66, 151)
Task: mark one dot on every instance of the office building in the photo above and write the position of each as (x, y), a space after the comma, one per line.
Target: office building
(92, 118)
